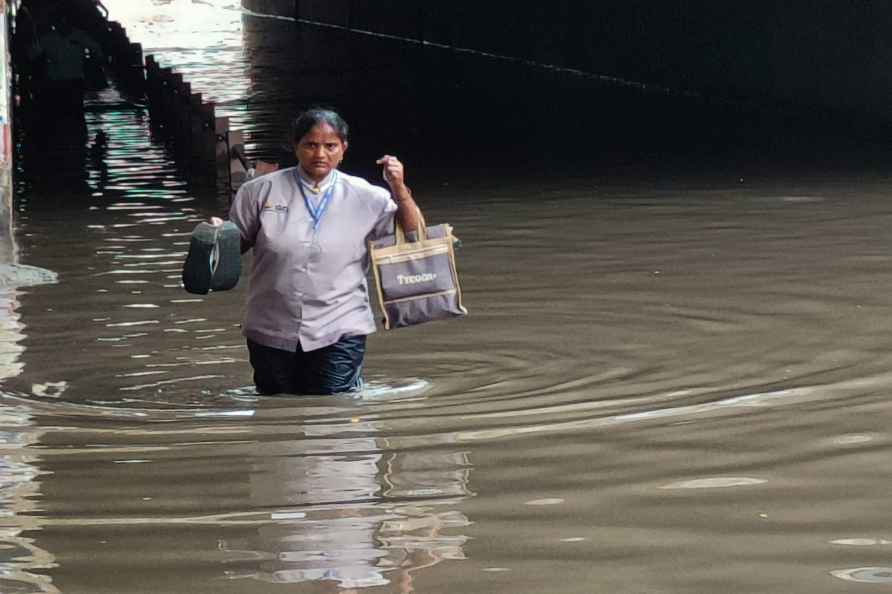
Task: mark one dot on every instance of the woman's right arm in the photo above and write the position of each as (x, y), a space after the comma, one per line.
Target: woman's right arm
(244, 214)
(218, 222)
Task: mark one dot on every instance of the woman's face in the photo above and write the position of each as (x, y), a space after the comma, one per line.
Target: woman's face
(319, 151)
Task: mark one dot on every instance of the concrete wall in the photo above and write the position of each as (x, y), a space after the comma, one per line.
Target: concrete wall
(822, 52)
(7, 243)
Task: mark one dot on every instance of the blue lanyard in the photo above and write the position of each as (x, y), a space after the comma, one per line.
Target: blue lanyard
(316, 213)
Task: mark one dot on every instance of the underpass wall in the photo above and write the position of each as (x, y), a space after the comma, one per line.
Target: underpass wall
(824, 53)
(7, 243)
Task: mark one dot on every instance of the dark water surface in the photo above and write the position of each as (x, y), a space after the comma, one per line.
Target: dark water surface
(674, 377)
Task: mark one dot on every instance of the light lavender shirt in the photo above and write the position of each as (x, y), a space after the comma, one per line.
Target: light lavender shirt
(308, 286)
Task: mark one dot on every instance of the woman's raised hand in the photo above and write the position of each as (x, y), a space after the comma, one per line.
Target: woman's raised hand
(394, 173)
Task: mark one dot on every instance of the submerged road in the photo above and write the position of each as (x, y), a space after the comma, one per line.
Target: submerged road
(674, 376)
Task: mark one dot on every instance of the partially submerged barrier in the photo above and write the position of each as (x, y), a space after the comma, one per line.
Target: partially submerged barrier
(202, 141)
(203, 138)
(125, 59)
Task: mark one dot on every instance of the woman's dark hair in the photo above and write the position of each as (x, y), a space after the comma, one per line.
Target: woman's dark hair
(314, 116)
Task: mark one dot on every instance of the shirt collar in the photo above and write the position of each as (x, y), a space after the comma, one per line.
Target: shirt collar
(312, 186)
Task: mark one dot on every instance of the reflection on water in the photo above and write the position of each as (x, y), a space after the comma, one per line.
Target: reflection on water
(22, 560)
(865, 575)
(275, 494)
(353, 545)
(10, 334)
(674, 377)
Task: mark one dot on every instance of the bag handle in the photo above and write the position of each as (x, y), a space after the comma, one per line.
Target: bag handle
(401, 234)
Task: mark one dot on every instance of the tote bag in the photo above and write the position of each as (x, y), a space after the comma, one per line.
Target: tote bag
(417, 280)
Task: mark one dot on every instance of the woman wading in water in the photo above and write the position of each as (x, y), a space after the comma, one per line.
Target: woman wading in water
(308, 309)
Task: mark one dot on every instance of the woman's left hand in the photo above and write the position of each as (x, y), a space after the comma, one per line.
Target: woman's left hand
(394, 173)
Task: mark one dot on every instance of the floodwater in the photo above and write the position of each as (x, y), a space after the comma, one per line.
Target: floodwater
(674, 376)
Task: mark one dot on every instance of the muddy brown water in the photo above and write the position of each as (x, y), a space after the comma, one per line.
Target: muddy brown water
(667, 383)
